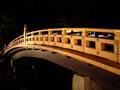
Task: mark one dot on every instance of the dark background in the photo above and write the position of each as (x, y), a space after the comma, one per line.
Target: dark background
(41, 14)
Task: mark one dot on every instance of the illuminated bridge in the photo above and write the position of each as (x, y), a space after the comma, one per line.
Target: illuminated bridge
(92, 54)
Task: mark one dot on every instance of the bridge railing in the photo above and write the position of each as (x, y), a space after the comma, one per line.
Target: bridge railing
(99, 42)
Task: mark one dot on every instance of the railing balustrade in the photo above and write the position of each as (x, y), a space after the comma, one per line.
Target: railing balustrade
(100, 42)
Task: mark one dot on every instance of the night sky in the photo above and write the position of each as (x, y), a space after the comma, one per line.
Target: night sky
(101, 13)
(39, 14)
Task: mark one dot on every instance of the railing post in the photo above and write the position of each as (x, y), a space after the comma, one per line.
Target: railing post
(84, 34)
(117, 42)
(5, 47)
(25, 29)
(63, 33)
(49, 33)
(39, 37)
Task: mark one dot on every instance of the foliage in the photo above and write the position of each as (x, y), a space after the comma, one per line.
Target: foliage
(7, 28)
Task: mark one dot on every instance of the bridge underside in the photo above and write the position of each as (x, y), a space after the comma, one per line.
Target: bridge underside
(76, 66)
(39, 74)
(34, 74)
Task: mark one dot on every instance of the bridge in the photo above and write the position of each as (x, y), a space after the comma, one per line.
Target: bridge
(78, 49)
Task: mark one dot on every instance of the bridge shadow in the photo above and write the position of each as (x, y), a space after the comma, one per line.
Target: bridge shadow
(39, 74)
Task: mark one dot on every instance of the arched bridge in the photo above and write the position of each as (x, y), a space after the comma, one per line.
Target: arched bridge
(85, 51)
(98, 47)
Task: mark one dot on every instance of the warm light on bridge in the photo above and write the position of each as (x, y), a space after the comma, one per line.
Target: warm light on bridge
(100, 42)
(101, 47)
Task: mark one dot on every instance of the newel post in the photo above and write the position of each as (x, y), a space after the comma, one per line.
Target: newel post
(24, 33)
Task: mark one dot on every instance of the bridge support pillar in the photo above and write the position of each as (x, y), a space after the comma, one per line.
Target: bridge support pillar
(84, 83)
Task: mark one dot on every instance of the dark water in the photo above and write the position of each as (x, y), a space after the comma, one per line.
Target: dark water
(39, 74)
(35, 74)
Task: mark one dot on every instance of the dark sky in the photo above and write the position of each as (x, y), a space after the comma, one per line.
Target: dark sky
(39, 14)
(100, 13)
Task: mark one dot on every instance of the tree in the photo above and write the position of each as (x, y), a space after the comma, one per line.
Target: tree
(8, 25)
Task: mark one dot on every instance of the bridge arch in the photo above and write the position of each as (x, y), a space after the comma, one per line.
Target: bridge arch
(102, 44)
(78, 67)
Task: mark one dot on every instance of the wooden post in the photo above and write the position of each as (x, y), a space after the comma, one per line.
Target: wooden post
(49, 33)
(5, 47)
(63, 33)
(24, 33)
(117, 46)
(84, 34)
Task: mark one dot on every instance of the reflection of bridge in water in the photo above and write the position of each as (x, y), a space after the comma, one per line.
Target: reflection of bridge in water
(77, 49)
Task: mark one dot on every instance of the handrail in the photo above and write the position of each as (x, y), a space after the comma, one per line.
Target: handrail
(99, 42)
